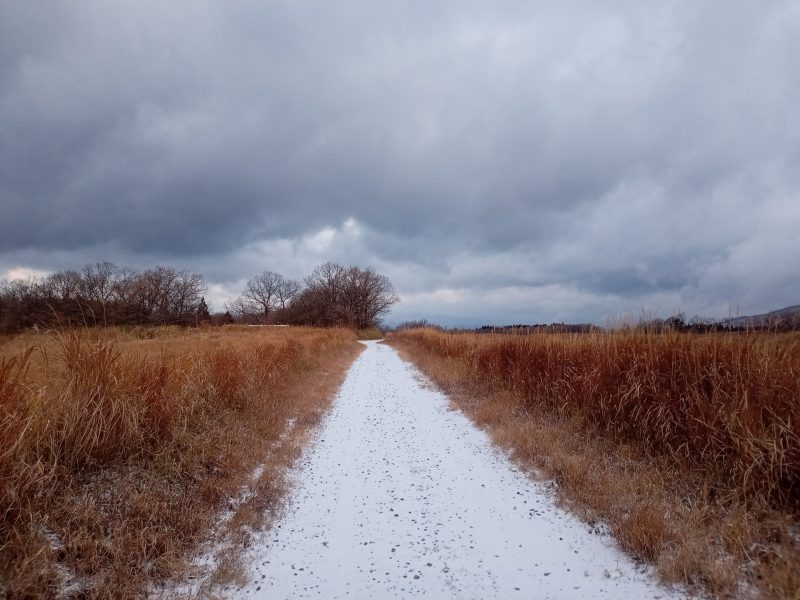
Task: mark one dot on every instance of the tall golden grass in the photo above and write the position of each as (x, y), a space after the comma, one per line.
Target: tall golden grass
(118, 448)
(716, 417)
(728, 404)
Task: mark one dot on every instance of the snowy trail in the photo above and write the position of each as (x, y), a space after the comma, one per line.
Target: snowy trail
(401, 496)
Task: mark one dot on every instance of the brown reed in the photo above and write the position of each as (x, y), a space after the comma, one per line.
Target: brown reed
(118, 451)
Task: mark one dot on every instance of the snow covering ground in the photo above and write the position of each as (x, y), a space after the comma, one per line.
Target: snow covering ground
(402, 496)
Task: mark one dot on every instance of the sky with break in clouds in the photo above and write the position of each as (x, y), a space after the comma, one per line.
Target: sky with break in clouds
(501, 161)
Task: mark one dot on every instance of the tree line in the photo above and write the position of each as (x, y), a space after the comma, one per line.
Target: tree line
(104, 294)
(332, 295)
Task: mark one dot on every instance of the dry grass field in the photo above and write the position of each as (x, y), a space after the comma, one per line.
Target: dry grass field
(120, 448)
(687, 447)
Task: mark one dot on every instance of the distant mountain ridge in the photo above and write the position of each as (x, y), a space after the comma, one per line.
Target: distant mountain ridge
(782, 318)
(789, 314)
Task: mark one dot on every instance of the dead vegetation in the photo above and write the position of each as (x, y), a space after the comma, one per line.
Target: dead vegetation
(120, 449)
(686, 446)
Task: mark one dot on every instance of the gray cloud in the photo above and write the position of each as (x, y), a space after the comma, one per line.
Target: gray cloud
(498, 160)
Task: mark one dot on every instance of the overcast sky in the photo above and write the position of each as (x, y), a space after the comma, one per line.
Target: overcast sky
(500, 161)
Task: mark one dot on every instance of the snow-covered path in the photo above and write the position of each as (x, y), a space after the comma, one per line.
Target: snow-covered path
(401, 496)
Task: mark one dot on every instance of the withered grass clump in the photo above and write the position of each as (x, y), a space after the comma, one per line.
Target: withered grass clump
(118, 451)
(687, 446)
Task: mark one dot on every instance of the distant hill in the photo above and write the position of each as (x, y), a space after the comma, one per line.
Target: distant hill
(523, 329)
(789, 316)
(782, 319)
(446, 321)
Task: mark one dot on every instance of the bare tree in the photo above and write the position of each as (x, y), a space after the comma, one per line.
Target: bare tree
(186, 293)
(337, 295)
(166, 295)
(325, 290)
(124, 283)
(263, 291)
(328, 279)
(97, 287)
(367, 296)
(64, 285)
(97, 282)
(286, 290)
(242, 310)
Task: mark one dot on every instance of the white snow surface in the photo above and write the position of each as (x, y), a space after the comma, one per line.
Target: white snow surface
(402, 496)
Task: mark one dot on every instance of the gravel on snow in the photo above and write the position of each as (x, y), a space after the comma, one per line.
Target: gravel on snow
(400, 495)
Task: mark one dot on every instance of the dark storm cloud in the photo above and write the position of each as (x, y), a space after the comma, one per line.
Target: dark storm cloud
(577, 158)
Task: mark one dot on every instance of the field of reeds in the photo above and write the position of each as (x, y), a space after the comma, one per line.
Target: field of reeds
(686, 446)
(120, 448)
